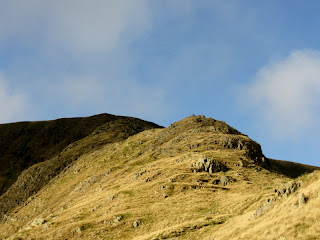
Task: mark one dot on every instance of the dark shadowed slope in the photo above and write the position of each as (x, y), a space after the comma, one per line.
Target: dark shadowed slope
(24, 144)
(291, 169)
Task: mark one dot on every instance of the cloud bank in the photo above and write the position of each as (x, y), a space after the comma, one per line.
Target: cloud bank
(286, 94)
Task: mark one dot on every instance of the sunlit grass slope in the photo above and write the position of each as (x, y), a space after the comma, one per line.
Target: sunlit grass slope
(196, 179)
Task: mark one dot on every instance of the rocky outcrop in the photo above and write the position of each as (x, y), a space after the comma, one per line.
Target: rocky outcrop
(265, 207)
(286, 189)
(302, 200)
(207, 164)
(283, 192)
(251, 148)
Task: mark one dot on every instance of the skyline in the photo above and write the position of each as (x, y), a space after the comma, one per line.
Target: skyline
(254, 65)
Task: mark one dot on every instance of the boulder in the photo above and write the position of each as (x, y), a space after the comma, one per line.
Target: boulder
(136, 223)
(302, 200)
(38, 222)
(224, 180)
(117, 219)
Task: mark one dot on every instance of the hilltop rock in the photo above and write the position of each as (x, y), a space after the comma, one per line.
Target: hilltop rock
(221, 135)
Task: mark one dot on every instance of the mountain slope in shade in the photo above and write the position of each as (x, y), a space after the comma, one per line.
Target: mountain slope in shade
(31, 152)
(196, 179)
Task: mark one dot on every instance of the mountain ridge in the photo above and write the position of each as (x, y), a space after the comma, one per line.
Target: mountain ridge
(124, 180)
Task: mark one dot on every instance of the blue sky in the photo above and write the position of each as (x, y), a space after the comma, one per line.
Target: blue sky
(252, 64)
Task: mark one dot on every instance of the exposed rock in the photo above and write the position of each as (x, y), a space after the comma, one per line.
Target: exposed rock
(149, 179)
(136, 223)
(117, 219)
(251, 148)
(208, 165)
(38, 222)
(265, 207)
(79, 230)
(224, 180)
(302, 200)
(193, 146)
(216, 182)
(241, 163)
(299, 183)
(138, 174)
(184, 188)
(286, 189)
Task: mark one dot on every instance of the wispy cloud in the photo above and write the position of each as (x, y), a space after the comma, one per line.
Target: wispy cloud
(77, 26)
(286, 94)
(80, 62)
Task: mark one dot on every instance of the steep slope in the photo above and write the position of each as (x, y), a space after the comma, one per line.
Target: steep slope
(292, 215)
(26, 143)
(37, 148)
(195, 179)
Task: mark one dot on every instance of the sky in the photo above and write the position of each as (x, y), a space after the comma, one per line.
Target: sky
(252, 64)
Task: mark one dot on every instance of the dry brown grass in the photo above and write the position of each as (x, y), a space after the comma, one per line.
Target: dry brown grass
(148, 178)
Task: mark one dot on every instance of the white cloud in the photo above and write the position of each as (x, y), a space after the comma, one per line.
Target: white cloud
(286, 94)
(78, 26)
(13, 105)
(93, 38)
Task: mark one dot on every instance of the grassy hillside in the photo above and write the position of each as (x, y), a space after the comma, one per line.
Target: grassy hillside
(31, 153)
(196, 179)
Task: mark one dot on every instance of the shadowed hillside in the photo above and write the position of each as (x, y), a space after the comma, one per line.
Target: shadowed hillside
(291, 169)
(28, 145)
(199, 178)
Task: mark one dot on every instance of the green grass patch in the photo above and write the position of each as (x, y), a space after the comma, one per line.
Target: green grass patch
(125, 215)
(213, 207)
(128, 193)
(170, 189)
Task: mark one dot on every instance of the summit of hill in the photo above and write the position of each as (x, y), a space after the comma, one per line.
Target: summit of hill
(111, 177)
